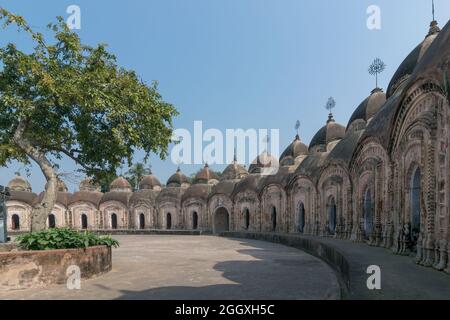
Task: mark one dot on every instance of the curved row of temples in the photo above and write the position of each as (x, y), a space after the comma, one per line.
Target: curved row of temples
(382, 179)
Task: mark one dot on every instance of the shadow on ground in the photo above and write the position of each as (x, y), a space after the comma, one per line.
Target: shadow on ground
(274, 276)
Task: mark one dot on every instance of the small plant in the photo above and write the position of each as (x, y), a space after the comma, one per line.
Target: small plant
(63, 238)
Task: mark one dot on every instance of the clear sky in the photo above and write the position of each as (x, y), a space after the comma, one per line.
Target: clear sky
(243, 63)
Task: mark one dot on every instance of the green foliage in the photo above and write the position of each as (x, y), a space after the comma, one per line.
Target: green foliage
(136, 173)
(63, 238)
(105, 180)
(75, 101)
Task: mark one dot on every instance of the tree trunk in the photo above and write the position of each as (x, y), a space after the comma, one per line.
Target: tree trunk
(42, 209)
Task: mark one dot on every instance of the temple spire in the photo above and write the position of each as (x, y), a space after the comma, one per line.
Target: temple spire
(297, 127)
(434, 28)
(150, 169)
(432, 9)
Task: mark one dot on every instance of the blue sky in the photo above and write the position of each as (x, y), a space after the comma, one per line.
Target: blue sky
(244, 63)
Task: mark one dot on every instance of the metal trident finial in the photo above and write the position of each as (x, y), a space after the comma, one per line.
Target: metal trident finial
(331, 103)
(376, 68)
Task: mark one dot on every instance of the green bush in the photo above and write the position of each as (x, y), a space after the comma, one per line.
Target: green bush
(63, 238)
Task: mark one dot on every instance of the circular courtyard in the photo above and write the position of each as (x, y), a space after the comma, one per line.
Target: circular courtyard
(201, 267)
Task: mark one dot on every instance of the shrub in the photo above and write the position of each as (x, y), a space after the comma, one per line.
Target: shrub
(63, 238)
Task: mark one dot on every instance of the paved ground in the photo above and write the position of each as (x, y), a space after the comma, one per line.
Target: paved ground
(401, 278)
(201, 267)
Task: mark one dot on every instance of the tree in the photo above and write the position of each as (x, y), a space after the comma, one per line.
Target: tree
(136, 173)
(67, 99)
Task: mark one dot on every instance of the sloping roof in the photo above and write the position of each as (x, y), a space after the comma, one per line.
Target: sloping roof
(250, 182)
(146, 196)
(408, 65)
(282, 177)
(198, 191)
(22, 196)
(344, 149)
(170, 194)
(312, 165)
(119, 196)
(225, 187)
(93, 197)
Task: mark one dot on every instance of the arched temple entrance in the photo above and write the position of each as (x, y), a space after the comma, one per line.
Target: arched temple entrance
(221, 220)
(301, 217)
(113, 221)
(141, 221)
(168, 221)
(331, 208)
(84, 221)
(15, 222)
(246, 218)
(51, 221)
(368, 214)
(415, 194)
(194, 220)
(273, 219)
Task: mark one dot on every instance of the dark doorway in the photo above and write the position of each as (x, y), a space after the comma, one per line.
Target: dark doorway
(415, 205)
(84, 221)
(15, 222)
(368, 216)
(141, 221)
(273, 219)
(332, 215)
(194, 220)
(246, 219)
(221, 220)
(51, 221)
(113, 221)
(168, 221)
(301, 217)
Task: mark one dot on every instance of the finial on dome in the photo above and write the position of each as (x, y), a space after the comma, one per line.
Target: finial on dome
(376, 68)
(376, 90)
(235, 156)
(331, 103)
(206, 165)
(178, 169)
(434, 28)
(17, 173)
